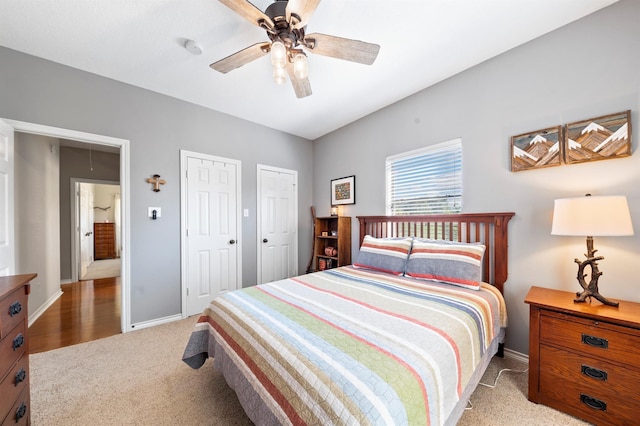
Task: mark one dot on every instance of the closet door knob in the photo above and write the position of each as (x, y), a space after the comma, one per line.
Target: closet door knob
(232, 241)
(265, 240)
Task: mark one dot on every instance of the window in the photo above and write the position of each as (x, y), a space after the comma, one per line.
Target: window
(426, 181)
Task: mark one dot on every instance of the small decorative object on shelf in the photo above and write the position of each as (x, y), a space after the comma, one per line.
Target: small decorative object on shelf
(591, 216)
(330, 251)
(322, 264)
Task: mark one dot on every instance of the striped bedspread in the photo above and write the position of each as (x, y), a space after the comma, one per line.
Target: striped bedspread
(349, 346)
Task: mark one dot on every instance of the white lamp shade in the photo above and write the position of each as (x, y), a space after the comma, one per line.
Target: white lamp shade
(592, 216)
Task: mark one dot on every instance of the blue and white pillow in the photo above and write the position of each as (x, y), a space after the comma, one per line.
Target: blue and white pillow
(384, 254)
(449, 262)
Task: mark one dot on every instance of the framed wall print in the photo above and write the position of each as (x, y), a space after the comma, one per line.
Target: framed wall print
(343, 190)
(534, 150)
(598, 138)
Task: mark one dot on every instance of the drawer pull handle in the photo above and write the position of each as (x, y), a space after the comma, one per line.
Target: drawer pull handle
(594, 373)
(20, 376)
(18, 341)
(21, 411)
(15, 309)
(596, 342)
(594, 403)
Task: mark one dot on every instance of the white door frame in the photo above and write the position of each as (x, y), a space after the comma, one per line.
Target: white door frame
(75, 233)
(123, 144)
(184, 252)
(259, 168)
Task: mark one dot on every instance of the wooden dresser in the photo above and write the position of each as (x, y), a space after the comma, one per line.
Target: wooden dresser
(104, 240)
(14, 353)
(584, 358)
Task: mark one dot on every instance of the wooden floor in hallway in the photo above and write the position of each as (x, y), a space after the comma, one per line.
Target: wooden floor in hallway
(87, 310)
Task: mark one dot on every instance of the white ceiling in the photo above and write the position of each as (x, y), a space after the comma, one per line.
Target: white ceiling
(140, 42)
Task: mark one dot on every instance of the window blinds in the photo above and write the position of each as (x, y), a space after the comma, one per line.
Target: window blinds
(425, 181)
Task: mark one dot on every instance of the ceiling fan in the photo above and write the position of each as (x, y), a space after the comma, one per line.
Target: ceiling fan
(285, 23)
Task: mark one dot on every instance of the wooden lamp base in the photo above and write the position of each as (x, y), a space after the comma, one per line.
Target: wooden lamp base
(590, 289)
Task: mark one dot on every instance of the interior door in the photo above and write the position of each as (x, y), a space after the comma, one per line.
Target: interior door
(212, 233)
(278, 219)
(7, 243)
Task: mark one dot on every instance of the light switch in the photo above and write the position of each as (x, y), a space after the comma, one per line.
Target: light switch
(155, 212)
(246, 212)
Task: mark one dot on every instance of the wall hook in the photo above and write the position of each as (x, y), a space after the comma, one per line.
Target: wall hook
(156, 182)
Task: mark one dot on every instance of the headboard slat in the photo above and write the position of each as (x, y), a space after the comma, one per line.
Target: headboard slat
(489, 229)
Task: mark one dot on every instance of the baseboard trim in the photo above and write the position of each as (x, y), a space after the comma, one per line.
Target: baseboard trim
(152, 323)
(38, 312)
(510, 353)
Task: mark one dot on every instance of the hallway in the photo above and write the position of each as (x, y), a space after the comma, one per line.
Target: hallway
(87, 310)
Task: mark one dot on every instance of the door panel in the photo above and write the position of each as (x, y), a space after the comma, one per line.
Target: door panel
(212, 230)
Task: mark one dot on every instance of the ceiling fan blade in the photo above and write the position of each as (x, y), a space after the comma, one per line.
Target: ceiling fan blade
(241, 58)
(342, 48)
(249, 12)
(303, 8)
(301, 86)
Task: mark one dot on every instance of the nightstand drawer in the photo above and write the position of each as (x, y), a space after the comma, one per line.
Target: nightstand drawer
(596, 338)
(594, 374)
(589, 401)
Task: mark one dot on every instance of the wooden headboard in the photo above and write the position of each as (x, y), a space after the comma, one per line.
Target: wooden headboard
(489, 229)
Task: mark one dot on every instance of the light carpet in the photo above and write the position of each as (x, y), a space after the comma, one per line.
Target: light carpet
(105, 268)
(138, 378)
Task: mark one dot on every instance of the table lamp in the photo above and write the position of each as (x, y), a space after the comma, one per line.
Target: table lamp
(591, 216)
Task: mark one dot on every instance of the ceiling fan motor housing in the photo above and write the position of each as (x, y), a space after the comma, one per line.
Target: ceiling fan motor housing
(282, 29)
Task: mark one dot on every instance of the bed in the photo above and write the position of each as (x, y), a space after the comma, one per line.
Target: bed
(402, 336)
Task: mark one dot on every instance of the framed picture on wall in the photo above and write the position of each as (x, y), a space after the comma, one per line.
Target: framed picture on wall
(343, 190)
(538, 149)
(598, 138)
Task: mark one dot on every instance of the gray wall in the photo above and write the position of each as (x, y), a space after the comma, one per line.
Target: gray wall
(36, 160)
(38, 91)
(586, 69)
(74, 163)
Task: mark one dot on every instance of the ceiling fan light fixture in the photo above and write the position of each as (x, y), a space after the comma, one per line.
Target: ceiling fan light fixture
(279, 75)
(300, 65)
(278, 54)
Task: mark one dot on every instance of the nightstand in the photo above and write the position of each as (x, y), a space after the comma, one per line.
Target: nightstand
(584, 358)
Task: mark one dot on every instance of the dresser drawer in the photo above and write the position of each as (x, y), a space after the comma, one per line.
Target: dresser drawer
(615, 343)
(14, 383)
(12, 347)
(20, 412)
(13, 309)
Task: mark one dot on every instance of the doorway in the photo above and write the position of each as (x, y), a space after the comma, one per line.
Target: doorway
(122, 145)
(96, 241)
